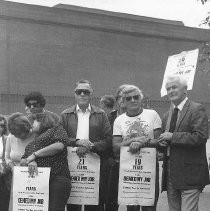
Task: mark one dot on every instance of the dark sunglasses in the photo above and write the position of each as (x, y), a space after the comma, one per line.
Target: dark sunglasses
(84, 91)
(135, 97)
(35, 105)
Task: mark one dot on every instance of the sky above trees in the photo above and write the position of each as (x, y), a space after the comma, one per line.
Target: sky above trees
(190, 12)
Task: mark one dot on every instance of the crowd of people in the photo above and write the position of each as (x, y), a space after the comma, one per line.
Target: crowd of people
(39, 138)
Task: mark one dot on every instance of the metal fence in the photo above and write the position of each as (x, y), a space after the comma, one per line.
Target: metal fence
(10, 103)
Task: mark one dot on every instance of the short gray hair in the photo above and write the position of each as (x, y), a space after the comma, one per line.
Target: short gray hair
(131, 88)
(179, 78)
(84, 81)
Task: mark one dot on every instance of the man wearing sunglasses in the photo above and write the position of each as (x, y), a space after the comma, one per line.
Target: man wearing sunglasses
(88, 128)
(136, 128)
(35, 103)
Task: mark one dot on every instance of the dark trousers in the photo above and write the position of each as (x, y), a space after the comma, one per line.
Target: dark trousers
(73, 207)
(4, 196)
(59, 192)
(112, 189)
(137, 208)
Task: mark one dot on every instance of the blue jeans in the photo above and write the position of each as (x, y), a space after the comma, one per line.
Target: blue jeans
(59, 192)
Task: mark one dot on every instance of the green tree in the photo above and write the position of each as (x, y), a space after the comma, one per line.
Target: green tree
(206, 21)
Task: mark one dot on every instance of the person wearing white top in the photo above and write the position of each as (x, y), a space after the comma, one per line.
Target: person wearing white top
(136, 128)
(4, 187)
(20, 135)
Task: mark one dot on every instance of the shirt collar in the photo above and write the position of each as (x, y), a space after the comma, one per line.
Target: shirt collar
(181, 105)
(87, 110)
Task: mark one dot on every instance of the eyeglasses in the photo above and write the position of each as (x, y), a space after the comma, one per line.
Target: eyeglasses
(84, 91)
(129, 98)
(35, 105)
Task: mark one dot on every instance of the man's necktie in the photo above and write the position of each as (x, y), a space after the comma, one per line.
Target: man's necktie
(173, 120)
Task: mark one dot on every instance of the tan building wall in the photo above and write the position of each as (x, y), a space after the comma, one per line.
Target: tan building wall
(49, 49)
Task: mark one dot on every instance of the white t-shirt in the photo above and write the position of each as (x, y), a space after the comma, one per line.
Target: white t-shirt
(142, 125)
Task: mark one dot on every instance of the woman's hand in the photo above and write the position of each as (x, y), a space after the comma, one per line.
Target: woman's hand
(32, 169)
(23, 162)
(11, 165)
(30, 158)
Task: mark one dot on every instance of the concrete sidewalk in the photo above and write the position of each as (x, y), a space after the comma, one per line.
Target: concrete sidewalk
(204, 203)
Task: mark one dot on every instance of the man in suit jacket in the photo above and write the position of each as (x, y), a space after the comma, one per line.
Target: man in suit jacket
(185, 169)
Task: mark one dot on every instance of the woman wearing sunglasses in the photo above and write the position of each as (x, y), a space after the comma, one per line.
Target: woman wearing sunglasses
(35, 104)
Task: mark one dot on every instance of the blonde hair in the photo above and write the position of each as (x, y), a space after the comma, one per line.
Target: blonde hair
(131, 88)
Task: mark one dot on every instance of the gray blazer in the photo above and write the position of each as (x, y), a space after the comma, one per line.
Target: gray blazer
(188, 163)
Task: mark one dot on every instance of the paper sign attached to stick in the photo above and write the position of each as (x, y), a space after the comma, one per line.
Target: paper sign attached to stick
(181, 64)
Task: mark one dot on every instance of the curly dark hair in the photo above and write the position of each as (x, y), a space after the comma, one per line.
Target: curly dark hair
(3, 125)
(35, 96)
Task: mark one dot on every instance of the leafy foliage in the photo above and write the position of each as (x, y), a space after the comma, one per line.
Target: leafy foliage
(204, 62)
(203, 1)
(206, 21)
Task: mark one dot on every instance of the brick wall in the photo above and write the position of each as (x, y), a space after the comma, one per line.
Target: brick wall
(49, 49)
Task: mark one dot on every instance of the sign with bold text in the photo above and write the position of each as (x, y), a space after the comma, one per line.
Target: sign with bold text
(181, 64)
(85, 174)
(30, 193)
(137, 177)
